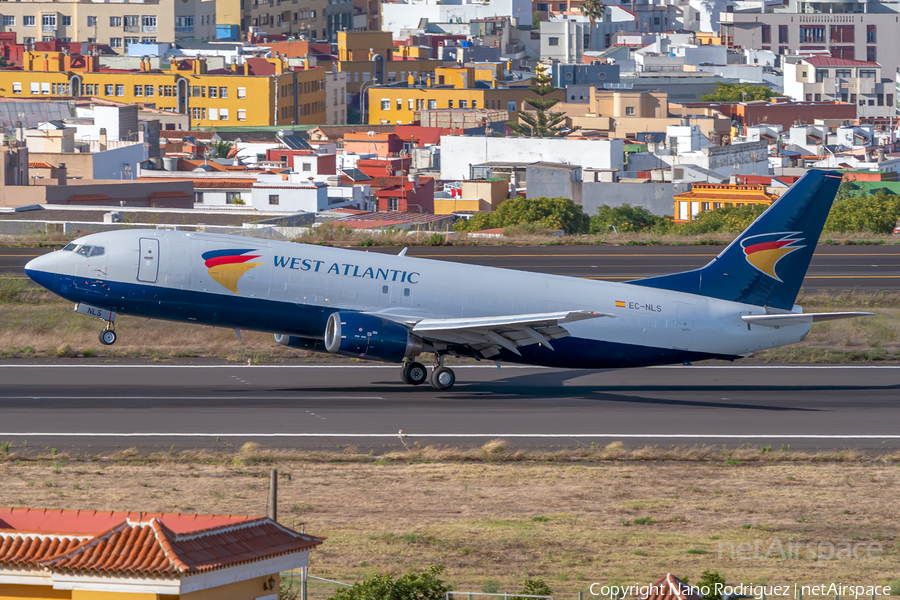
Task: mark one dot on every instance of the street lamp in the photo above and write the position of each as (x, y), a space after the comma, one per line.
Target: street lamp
(362, 100)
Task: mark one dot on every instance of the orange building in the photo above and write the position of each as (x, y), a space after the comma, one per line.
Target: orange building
(709, 196)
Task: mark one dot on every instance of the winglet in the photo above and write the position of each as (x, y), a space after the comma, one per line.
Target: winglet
(403, 252)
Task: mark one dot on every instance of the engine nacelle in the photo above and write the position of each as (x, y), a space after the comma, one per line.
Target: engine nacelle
(293, 341)
(365, 336)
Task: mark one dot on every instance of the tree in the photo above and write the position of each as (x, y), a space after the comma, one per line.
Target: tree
(220, 149)
(593, 10)
(738, 92)
(535, 587)
(423, 586)
(847, 189)
(875, 213)
(545, 213)
(624, 218)
(708, 583)
(535, 20)
(541, 123)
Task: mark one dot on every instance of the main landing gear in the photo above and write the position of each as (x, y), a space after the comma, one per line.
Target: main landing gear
(415, 373)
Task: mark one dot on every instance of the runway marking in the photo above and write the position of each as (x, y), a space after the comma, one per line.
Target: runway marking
(221, 397)
(465, 435)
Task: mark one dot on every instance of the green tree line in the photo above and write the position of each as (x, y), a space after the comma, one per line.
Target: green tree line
(863, 213)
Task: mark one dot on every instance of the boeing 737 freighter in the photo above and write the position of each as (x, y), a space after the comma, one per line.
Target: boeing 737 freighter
(394, 308)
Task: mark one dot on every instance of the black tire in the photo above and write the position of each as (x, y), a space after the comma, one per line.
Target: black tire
(442, 379)
(416, 373)
(107, 337)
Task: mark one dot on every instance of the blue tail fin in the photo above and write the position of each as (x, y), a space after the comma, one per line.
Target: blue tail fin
(766, 264)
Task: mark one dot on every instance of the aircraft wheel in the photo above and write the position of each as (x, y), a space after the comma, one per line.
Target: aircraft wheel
(107, 337)
(415, 373)
(442, 378)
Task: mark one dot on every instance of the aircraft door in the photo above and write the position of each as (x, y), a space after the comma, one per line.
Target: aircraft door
(148, 265)
(684, 322)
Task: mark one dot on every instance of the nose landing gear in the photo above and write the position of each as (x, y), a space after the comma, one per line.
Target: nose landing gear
(108, 337)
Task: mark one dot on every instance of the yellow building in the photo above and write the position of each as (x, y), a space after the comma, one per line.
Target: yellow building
(260, 92)
(710, 196)
(400, 103)
(94, 555)
(476, 196)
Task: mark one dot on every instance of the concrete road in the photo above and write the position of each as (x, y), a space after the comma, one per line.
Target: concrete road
(101, 406)
(833, 267)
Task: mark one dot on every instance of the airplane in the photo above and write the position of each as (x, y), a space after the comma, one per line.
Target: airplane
(395, 308)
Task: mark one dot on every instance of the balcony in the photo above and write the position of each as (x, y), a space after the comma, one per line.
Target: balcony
(184, 29)
(148, 29)
(132, 29)
(48, 28)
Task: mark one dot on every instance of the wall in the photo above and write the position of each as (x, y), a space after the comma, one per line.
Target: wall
(290, 199)
(252, 588)
(658, 198)
(554, 182)
(461, 152)
(111, 164)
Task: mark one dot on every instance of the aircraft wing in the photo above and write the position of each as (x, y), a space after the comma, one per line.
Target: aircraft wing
(488, 334)
(784, 320)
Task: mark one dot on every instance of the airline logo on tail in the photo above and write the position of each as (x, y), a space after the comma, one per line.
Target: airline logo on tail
(227, 267)
(765, 251)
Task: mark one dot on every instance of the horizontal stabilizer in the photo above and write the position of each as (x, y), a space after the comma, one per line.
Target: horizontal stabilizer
(797, 318)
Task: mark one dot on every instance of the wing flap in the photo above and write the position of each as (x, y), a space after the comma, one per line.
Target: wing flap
(785, 320)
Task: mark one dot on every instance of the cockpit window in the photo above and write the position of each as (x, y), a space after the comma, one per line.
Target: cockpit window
(85, 250)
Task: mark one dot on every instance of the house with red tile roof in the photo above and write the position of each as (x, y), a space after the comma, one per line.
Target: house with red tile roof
(857, 82)
(69, 554)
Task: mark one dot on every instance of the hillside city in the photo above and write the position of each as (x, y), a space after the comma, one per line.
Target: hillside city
(421, 114)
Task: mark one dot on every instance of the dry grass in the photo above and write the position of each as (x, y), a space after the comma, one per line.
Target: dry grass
(571, 524)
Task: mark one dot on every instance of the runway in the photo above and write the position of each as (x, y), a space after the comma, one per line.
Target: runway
(866, 268)
(99, 406)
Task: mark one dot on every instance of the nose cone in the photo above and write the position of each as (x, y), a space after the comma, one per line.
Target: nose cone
(42, 270)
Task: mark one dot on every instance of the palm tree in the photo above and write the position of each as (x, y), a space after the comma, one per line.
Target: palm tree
(593, 10)
(220, 149)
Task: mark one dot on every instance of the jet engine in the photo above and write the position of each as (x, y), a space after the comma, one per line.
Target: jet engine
(293, 341)
(366, 336)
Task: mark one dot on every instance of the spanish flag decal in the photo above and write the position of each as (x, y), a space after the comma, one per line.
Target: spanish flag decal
(620, 304)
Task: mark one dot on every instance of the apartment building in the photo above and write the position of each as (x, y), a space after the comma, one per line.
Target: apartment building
(259, 92)
(451, 88)
(314, 19)
(116, 24)
(822, 78)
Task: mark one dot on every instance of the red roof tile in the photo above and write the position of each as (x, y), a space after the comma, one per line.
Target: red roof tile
(39, 165)
(827, 61)
(143, 544)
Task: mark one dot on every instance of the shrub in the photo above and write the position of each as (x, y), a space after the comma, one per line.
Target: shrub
(876, 213)
(423, 586)
(11, 287)
(624, 218)
(545, 213)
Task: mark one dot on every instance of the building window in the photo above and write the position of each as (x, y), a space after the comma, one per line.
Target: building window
(138, 90)
(393, 204)
(847, 52)
(812, 34)
(871, 54)
(9, 21)
(108, 89)
(841, 34)
(766, 34)
(213, 114)
(148, 91)
(474, 103)
(449, 103)
(307, 166)
(231, 197)
(629, 111)
(867, 73)
(148, 23)
(223, 114)
(385, 105)
(411, 103)
(198, 113)
(17, 87)
(198, 91)
(120, 89)
(115, 21)
(821, 74)
(241, 93)
(273, 198)
(511, 105)
(399, 104)
(432, 104)
(242, 114)
(213, 92)
(463, 104)
(554, 41)
(870, 34)
(45, 88)
(115, 42)
(35, 88)
(89, 89)
(28, 20)
(782, 34)
(223, 92)
(846, 73)
(92, 21)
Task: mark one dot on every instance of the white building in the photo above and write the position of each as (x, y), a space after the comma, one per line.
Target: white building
(336, 98)
(859, 82)
(397, 16)
(295, 192)
(460, 153)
